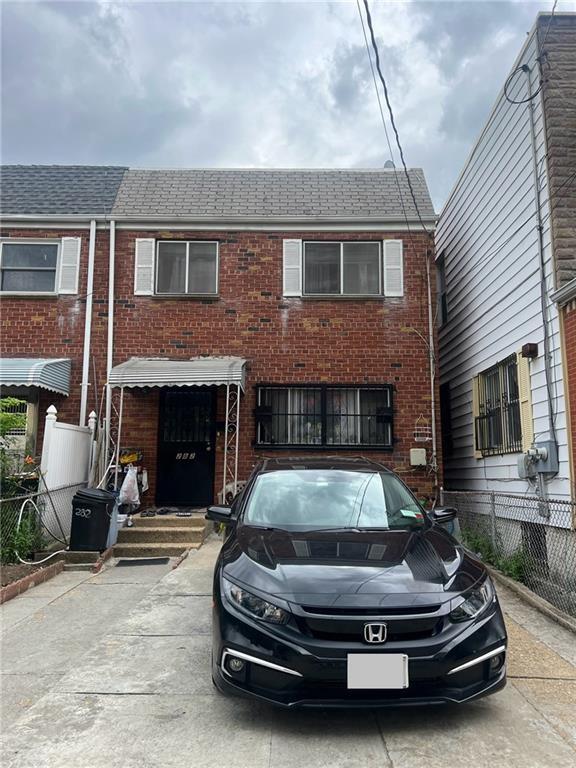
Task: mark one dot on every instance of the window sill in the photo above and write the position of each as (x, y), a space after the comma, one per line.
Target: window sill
(31, 295)
(340, 297)
(315, 448)
(182, 296)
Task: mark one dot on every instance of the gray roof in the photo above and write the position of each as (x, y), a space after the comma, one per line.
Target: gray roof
(271, 194)
(58, 189)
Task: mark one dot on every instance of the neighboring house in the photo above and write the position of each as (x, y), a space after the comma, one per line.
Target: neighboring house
(506, 265)
(250, 312)
(44, 285)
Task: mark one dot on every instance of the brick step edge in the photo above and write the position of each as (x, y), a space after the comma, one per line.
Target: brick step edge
(32, 580)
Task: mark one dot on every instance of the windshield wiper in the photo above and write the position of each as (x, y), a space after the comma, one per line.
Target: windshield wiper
(343, 529)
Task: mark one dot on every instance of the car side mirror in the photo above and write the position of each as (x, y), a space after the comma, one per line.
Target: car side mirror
(220, 514)
(443, 514)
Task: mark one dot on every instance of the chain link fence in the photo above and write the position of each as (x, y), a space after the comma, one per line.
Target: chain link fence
(45, 524)
(528, 538)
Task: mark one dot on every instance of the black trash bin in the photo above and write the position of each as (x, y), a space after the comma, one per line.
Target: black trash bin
(91, 513)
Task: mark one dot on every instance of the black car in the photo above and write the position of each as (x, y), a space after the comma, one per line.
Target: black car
(334, 587)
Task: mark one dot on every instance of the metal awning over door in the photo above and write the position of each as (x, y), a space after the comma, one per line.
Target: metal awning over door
(197, 372)
(46, 373)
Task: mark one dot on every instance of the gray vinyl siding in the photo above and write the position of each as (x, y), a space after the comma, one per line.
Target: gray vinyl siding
(493, 286)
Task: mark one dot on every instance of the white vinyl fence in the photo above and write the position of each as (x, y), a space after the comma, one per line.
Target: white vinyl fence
(67, 453)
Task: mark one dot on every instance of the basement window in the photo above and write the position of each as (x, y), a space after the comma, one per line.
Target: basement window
(325, 416)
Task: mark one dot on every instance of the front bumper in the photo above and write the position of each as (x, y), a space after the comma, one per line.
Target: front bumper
(277, 670)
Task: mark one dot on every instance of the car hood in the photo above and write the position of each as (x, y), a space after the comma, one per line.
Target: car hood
(360, 568)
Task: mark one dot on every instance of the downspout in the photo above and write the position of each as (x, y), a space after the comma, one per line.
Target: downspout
(541, 261)
(432, 364)
(87, 325)
(110, 341)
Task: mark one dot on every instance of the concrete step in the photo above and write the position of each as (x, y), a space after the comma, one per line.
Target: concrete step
(163, 549)
(152, 535)
(168, 521)
(78, 566)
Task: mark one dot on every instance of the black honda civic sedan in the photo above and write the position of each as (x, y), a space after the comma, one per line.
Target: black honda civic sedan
(334, 587)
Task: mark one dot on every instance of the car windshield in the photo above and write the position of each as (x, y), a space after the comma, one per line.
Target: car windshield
(312, 499)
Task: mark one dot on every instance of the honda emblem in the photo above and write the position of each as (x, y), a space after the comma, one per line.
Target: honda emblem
(375, 633)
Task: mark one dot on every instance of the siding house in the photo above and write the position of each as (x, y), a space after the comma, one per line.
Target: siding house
(217, 316)
(506, 268)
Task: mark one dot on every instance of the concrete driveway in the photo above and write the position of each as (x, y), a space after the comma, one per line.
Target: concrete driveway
(113, 670)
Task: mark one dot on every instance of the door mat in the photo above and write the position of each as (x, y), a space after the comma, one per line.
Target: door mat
(143, 561)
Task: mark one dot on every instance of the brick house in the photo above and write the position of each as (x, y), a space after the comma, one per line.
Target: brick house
(506, 265)
(250, 313)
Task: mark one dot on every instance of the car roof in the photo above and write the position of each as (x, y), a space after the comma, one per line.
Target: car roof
(345, 463)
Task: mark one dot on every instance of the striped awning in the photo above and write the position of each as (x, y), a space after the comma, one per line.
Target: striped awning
(197, 372)
(46, 373)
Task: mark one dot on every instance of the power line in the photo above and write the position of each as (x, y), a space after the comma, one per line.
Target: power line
(392, 121)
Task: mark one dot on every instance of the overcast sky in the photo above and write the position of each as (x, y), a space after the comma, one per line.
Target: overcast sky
(249, 84)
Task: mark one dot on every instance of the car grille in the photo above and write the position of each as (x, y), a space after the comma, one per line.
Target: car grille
(350, 630)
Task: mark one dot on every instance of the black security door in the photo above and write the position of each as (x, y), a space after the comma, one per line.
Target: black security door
(186, 435)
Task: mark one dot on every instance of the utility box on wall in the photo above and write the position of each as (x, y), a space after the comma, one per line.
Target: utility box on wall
(417, 457)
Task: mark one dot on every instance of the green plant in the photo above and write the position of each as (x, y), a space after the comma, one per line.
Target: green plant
(9, 419)
(24, 541)
(516, 565)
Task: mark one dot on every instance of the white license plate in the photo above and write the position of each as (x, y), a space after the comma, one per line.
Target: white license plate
(377, 671)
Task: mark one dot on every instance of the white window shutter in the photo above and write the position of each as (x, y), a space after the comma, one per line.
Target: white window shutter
(525, 396)
(144, 267)
(69, 264)
(292, 268)
(393, 268)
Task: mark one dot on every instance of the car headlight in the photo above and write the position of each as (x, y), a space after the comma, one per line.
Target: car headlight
(254, 605)
(474, 603)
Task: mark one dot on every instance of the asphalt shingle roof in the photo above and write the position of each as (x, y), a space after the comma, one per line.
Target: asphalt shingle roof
(218, 193)
(211, 193)
(58, 189)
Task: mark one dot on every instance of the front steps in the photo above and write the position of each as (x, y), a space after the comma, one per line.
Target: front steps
(161, 536)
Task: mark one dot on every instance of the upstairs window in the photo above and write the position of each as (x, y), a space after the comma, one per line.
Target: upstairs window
(358, 269)
(342, 268)
(41, 266)
(187, 267)
(325, 416)
(28, 267)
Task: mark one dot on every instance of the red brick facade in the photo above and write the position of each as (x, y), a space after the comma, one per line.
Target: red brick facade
(284, 340)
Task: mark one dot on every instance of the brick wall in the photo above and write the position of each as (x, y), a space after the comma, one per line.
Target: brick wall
(53, 326)
(290, 341)
(559, 95)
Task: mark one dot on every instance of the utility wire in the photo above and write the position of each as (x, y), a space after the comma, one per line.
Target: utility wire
(392, 121)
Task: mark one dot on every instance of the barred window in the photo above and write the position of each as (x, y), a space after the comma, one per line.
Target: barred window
(324, 416)
(498, 427)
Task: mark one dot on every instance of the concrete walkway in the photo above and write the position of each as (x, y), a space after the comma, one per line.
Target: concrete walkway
(114, 671)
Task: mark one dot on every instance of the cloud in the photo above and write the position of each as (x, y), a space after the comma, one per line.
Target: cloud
(251, 84)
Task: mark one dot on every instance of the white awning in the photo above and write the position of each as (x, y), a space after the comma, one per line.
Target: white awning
(197, 372)
(45, 373)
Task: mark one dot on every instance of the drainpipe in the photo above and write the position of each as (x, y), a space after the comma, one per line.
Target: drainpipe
(87, 326)
(541, 261)
(432, 364)
(110, 342)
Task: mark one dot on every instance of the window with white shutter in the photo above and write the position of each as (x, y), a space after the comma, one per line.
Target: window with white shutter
(292, 268)
(144, 267)
(393, 268)
(39, 267)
